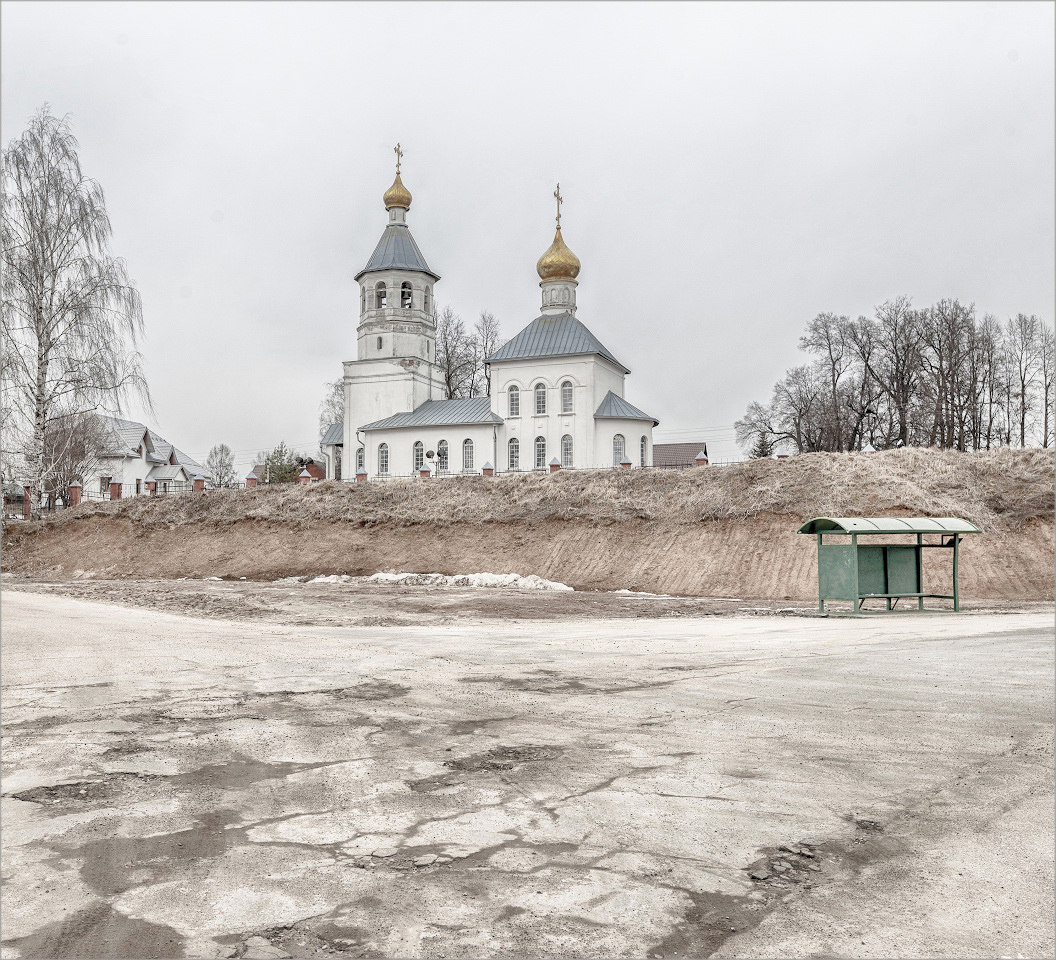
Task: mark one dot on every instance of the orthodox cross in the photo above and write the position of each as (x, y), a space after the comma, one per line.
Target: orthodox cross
(399, 157)
(560, 200)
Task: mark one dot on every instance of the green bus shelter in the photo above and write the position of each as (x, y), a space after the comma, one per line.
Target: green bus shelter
(855, 571)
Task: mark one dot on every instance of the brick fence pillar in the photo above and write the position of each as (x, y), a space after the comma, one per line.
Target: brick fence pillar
(115, 490)
(424, 473)
(152, 488)
(701, 459)
(199, 484)
(626, 463)
(555, 465)
(251, 480)
(75, 493)
(304, 477)
(488, 470)
(27, 503)
(361, 475)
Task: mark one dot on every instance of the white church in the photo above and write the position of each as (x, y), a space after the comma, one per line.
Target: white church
(557, 393)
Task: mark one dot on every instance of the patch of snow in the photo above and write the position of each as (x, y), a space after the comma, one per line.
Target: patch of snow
(333, 578)
(210, 578)
(509, 580)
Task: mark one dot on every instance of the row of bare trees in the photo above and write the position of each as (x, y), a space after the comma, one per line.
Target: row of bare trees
(937, 376)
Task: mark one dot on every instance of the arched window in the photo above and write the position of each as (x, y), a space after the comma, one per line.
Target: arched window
(381, 298)
(363, 298)
(644, 447)
(383, 458)
(540, 453)
(359, 459)
(566, 451)
(619, 448)
(428, 298)
(540, 398)
(419, 455)
(467, 454)
(515, 401)
(406, 300)
(515, 453)
(441, 456)
(379, 343)
(566, 397)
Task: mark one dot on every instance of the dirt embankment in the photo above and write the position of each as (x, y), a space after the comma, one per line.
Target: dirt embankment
(726, 531)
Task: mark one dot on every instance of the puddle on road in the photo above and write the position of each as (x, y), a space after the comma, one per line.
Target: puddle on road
(100, 932)
(113, 865)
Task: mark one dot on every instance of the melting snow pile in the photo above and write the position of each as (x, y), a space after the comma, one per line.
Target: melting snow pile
(514, 580)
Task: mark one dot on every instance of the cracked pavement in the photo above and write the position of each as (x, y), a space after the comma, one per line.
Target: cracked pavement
(177, 786)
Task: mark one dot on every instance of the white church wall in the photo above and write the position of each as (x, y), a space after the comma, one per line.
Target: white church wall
(632, 431)
(401, 442)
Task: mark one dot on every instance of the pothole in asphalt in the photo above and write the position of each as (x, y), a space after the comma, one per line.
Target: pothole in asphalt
(66, 795)
(502, 758)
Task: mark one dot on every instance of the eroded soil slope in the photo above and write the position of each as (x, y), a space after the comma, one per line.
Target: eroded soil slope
(706, 532)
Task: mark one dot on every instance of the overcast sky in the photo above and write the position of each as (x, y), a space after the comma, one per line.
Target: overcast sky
(730, 170)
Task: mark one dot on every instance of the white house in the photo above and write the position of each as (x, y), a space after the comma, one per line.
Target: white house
(135, 455)
(557, 391)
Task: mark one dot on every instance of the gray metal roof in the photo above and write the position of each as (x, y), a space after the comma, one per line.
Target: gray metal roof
(613, 407)
(441, 413)
(888, 525)
(166, 472)
(396, 250)
(559, 336)
(335, 433)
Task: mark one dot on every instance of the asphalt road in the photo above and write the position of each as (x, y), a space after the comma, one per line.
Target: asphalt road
(176, 786)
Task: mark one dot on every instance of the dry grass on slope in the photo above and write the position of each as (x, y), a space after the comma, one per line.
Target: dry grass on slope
(1000, 489)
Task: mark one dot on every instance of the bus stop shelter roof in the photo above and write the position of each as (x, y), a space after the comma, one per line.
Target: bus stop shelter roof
(888, 525)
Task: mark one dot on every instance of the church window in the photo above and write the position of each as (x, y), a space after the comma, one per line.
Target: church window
(379, 343)
(515, 401)
(405, 296)
(618, 449)
(381, 298)
(540, 453)
(383, 458)
(566, 397)
(467, 454)
(644, 445)
(363, 298)
(359, 459)
(419, 455)
(515, 453)
(540, 398)
(441, 456)
(566, 451)
(428, 290)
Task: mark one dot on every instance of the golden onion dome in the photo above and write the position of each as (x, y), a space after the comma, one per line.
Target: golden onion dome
(558, 263)
(397, 195)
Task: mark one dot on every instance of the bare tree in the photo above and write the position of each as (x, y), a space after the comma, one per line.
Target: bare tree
(73, 445)
(220, 464)
(1048, 386)
(332, 408)
(456, 355)
(70, 314)
(1023, 345)
(486, 342)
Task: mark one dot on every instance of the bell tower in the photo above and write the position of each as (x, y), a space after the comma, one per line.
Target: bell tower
(395, 367)
(396, 288)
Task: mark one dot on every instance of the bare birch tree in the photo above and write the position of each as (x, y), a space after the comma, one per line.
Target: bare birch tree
(220, 465)
(455, 354)
(70, 315)
(487, 341)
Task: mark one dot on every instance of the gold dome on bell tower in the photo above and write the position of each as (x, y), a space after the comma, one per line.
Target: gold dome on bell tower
(397, 195)
(558, 263)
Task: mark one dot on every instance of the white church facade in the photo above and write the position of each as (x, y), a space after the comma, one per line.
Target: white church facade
(557, 393)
